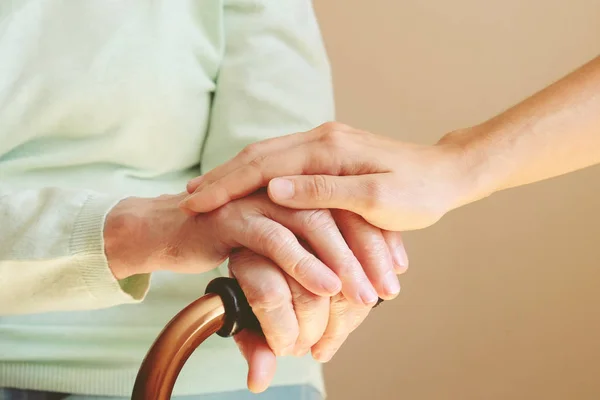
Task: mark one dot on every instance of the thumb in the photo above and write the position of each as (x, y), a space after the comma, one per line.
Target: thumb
(194, 184)
(353, 193)
(260, 358)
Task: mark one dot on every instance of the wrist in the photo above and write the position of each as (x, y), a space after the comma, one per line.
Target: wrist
(475, 173)
(123, 242)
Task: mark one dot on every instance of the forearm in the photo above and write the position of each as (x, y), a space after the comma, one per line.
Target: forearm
(554, 132)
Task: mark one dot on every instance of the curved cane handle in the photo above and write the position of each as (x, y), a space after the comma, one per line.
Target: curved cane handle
(224, 310)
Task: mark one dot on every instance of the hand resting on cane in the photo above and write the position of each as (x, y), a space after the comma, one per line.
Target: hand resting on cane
(271, 254)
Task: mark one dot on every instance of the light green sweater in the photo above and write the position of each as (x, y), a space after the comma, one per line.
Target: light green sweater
(100, 100)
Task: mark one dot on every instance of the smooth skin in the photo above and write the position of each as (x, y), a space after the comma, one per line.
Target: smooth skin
(401, 186)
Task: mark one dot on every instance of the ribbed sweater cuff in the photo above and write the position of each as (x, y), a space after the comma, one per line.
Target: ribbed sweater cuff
(87, 245)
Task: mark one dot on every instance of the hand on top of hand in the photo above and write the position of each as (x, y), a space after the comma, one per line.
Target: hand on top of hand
(288, 262)
(393, 185)
(161, 237)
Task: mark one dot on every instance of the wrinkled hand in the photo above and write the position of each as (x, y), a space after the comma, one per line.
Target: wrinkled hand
(394, 185)
(145, 235)
(291, 317)
(272, 256)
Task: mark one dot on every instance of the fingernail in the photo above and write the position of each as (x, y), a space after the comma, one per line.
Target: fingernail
(281, 189)
(391, 285)
(193, 182)
(399, 269)
(400, 257)
(368, 296)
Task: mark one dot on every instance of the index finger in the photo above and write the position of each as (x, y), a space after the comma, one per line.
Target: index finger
(252, 151)
(309, 158)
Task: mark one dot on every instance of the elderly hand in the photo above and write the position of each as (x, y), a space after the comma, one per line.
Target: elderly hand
(394, 185)
(271, 254)
(290, 316)
(350, 255)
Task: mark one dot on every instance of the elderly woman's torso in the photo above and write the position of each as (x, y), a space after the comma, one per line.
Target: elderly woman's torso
(114, 97)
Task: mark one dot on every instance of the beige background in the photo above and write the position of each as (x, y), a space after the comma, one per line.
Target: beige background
(501, 300)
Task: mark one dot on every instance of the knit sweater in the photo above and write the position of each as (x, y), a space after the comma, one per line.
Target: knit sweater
(100, 100)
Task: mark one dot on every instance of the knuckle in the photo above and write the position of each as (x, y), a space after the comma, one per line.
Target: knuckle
(267, 298)
(275, 241)
(270, 234)
(340, 313)
(250, 152)
(278, 243)
(375, 254)
(256, 165)
(330, 126)
(301, 268)
(315, 220)
(339, 305)
(319, 188)
(350, 268)
(335, 137)
(257, 162)
(282, 339)
(305, 301)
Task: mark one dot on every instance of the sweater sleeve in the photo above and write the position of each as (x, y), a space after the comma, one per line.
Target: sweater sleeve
(52, 253)
(274, 79)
